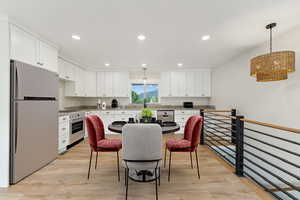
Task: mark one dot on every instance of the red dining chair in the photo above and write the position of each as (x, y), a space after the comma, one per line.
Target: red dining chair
(188, 143)
(98, 142)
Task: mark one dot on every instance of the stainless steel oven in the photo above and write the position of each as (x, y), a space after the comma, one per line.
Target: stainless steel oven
(76, 126)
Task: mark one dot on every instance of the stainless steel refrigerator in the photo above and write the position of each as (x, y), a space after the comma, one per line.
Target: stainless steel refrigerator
(34, 119)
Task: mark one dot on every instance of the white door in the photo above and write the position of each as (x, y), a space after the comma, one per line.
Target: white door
(48, 57)
(90, 84)
(165, 85)
(23, 46)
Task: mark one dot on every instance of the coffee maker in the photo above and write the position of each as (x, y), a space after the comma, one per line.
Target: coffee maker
(114, 103)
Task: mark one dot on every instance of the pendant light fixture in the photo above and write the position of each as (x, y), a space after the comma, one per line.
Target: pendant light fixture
(273, 66)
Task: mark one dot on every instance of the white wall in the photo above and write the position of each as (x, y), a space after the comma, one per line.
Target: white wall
(4, 101)
(272, 102)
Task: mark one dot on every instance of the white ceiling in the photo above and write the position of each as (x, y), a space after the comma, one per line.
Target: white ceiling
(109, 28)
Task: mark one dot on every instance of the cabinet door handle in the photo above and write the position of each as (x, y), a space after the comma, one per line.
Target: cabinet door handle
(63, 129)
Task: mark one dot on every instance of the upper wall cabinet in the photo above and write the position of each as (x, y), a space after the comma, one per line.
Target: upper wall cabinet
(178, 84)
(113, 84)
(23, 46)
(90, 84)
(194, 83)
(121, 84)
(165, 84)
(48, 56)
(76, 88)
(28, 49)
(66, 70)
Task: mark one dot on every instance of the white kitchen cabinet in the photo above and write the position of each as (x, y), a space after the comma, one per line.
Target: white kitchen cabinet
(181, 117)
(165, 84)
(113, 84)
(206, 83)
(26, 48)
(190, 83)
(90, 83)
(79, 82)
(105, 84)
(107, 117)
(120, 84)
(63, 133)
(47, 57)
(23, 46)
(76, 88)
(66, 70)
(178, 84)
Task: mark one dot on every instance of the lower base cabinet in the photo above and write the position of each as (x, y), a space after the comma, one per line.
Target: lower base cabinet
(181, 117)
(109, 116)
(63, 133)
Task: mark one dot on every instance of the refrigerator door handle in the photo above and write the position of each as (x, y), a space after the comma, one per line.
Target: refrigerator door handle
(17, 84)
(16, 127)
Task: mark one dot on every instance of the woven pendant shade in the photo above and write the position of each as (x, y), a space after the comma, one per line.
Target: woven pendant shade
(273, 66)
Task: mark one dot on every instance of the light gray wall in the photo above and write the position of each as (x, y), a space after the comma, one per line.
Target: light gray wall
(271, 102)
(4, 101)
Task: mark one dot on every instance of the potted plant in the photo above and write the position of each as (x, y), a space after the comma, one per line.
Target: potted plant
(147, 115)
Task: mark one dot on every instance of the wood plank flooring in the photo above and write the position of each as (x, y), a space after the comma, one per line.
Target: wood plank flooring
(66, 178)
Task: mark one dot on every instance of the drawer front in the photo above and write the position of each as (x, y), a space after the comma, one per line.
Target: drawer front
(63, 142)
(63, 129)
(187, 112)
(63, 119)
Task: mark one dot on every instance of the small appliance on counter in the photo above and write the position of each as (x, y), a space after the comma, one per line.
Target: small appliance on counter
(99, 104)
(188, 104)
(114, 103)
(103, 105)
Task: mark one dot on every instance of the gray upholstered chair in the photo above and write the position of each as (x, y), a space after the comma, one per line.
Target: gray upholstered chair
(142, 153)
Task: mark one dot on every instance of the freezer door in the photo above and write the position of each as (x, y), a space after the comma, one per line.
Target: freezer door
(34, 137)
(30, 81)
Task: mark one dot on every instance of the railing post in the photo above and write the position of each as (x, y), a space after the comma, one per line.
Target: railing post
(202, 137)
(233, 129)
(239, 157)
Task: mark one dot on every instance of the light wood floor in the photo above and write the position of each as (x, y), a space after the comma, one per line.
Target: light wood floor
(66, 178)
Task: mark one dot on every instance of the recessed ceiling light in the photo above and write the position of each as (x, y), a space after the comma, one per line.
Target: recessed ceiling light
(179, 64)
(144, 65)
(141, 37)
(107, 64)
(205, 37)
(76, 37)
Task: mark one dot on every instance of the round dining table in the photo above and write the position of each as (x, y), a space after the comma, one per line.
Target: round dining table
(165, 129)
(143, 175)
